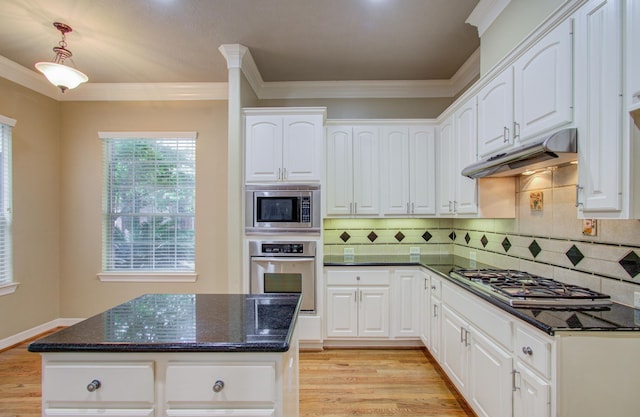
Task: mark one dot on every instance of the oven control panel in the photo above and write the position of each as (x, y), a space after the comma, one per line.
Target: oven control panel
(282, 248)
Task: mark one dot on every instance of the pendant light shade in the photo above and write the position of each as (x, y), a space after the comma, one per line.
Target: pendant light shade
(60, 75)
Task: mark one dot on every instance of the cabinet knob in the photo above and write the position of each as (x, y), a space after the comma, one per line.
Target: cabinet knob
(94, 385)
(433, 287)
(218, 386)
(527, 350)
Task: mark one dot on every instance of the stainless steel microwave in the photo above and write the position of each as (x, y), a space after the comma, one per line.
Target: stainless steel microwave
(280, 208)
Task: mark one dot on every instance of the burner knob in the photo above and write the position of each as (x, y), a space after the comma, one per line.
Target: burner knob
(527, 350)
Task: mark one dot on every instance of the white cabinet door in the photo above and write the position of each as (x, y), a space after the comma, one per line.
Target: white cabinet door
(394, 178)
(425, 312)
(466, 201)
(339, 189)
(446, 187)
(632, 55)
(263, 140)
(408, 170)
(302, 148)
(406, 307)
(531, 396)
(495, 115)
(342, 312)
(366, 164)
(543, 84)
(454, 353)
(373, 316)
(490, 382)
(352, 170)
(435, 328)
(598, 110)
(422, 170)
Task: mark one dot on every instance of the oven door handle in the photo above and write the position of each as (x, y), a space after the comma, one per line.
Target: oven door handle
(282, 259)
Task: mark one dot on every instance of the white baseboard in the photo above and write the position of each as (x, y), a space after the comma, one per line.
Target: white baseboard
(35, 331)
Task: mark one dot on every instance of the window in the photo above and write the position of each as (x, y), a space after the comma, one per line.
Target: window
(7, 285)
(148, 205)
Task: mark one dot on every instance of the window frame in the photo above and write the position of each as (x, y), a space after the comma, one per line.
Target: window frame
(7, 285)
(143, 275)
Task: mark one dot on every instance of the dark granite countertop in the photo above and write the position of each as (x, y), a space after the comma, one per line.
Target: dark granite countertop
(616, 317)
(184, 323)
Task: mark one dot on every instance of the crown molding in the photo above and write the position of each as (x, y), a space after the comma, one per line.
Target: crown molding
(239, 56)
(485, 13)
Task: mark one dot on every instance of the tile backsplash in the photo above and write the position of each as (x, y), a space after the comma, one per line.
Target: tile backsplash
(546, 238)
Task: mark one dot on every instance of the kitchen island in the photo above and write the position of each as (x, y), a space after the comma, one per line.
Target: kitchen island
(176, 355)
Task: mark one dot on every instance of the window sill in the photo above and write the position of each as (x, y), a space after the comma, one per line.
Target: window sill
(10, 288)
(147, 277)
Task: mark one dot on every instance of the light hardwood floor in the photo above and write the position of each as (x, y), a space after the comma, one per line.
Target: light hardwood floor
(334, 382)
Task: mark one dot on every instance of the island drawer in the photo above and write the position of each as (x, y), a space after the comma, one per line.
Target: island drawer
(236, 382)
(99, 382)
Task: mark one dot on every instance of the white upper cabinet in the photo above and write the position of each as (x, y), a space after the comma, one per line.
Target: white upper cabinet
(457, 149)
(598, 109)
(284, 145)
(352, 170)
(543, 85)
(495, 114)
(531, 97)
(408, 170)
(632, 54)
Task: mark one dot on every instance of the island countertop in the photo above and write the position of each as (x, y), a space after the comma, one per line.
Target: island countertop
(184, 323)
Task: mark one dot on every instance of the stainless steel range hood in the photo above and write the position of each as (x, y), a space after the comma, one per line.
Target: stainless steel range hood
(558, 148)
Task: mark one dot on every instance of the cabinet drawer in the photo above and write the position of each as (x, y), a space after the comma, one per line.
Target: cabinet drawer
(534, 351)
(493, 322)
(358, 277)
(118, 382)
(194, 382)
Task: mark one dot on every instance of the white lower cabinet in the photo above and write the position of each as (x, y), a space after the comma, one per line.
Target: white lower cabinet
(435, 318)
(406, 288)
(531, 393)
(357, 303)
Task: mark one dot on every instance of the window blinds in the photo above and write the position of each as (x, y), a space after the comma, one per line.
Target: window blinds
(6, 263)
(148, 204)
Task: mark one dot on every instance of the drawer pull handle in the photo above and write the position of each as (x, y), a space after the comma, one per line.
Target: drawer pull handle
(94, 385)
(218, 386)
(527, 350)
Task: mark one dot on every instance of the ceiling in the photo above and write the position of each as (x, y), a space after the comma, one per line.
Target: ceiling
(142, 41)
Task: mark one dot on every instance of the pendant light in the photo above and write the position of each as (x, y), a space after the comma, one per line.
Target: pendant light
(60, 75)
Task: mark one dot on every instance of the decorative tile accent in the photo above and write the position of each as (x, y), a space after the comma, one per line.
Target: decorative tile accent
(452, 235)
(574, 255)
(345, 236)
(506, 245)
(484, 241)
(372, 236)
(574, 322)
(534, 248)
(631, 264)
(399, 236)
(427, 236)
(467, 238)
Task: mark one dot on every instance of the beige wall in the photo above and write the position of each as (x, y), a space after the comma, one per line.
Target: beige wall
(36, 207)
(515, 22)
(81, 293)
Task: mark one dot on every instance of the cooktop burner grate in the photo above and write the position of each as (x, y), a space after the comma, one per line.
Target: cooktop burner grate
(520, 288)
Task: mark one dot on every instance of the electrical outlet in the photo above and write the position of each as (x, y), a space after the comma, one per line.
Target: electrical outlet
(349, 251)
(472, 255)
(636, 299)
(414, 251)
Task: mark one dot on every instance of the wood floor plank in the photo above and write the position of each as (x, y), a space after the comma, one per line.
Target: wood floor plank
(333, 383)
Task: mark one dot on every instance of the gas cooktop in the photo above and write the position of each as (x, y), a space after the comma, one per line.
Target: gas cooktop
(522, 289)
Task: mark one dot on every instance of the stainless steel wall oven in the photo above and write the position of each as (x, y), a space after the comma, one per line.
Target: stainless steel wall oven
(284, 267)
